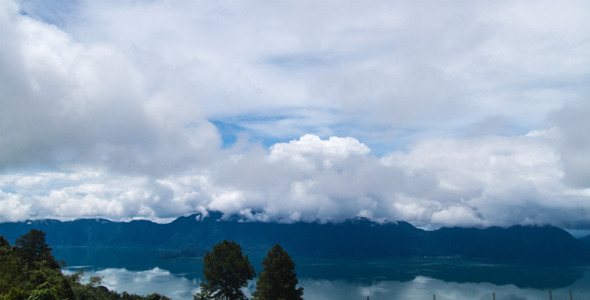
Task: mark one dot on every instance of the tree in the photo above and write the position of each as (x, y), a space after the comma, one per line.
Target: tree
(226, 271)
(4, 242)
(11, 274)
(32, 248)
(28, 271)
(278, 280)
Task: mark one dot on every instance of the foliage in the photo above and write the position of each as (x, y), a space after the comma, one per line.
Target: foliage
(33, 249)
(278, 280)
(28, 271)
(226, 271)
(44, 293)
(3, 242)
(10, 273)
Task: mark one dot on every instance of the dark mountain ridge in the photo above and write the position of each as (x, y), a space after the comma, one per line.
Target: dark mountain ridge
(356, 238)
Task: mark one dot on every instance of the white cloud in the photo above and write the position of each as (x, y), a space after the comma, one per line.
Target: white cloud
(14, 208)
(499, 180)
(483, 161)
(306, 151)
(480, 109)
(456, 216)
(476, 181)
(398, 65)
(67, 103)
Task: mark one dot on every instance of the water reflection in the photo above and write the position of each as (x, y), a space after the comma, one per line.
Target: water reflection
(420, 288)
(142, 272)
(423, 288)
(527, 276)
(448, 270)
(145, 282)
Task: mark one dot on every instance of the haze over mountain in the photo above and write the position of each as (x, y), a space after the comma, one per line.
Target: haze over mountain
(357, 238)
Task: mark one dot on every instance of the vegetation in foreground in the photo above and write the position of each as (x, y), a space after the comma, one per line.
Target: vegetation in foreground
(28, 271)
(278, 279)
(227, 271)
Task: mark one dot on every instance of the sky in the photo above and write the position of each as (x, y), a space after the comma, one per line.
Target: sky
(438, 113)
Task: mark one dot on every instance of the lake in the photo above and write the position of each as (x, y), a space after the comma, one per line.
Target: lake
(143, 272)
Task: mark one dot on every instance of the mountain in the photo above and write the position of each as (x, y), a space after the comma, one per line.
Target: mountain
(516, 243)
(356, 238)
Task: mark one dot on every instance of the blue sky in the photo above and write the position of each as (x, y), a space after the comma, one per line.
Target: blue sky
(436, 113)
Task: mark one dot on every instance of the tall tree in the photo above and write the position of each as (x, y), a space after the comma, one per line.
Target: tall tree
(3, 242)
(226, 271)
(278, 280)
(32, 248)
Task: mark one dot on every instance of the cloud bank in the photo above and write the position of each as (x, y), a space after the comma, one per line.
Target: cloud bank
(436, 114)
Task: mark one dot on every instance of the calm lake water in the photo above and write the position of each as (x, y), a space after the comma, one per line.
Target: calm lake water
(142, 272)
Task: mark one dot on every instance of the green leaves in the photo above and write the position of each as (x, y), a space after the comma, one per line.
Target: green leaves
(33, 250)
(29, 271)
(226, 271)
(278, 279)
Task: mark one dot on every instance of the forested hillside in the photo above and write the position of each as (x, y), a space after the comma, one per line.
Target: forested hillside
(358, 238)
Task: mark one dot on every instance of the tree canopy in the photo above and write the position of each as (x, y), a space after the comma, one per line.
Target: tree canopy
(28, 270)
(278, 280)
(226, 271)
(32, 248)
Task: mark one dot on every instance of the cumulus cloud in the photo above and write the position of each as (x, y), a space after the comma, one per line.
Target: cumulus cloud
(470, 182)
(67, 103)
(305, 151)
(474, 181)
(434, 113)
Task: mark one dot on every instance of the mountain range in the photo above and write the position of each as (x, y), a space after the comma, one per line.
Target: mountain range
(355, 238)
